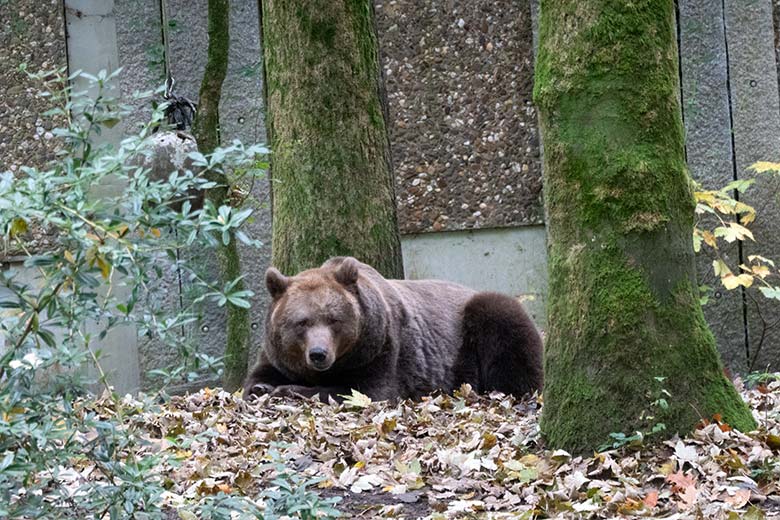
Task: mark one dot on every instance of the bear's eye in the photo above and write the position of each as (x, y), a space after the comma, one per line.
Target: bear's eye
(301, 323)
(332, 320)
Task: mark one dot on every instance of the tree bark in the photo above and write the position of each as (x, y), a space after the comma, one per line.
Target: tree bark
(623, 301)
(332, 181)
(206, 131)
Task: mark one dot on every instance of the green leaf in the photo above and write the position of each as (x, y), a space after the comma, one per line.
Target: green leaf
(754, 513)
(739, 185)
(48, 337)
(770, 292)
(239, 302)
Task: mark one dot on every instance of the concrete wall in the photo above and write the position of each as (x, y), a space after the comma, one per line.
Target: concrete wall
(507, 260)
(731, 110)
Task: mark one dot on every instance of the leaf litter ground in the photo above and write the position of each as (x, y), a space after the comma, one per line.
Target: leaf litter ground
(460, 456)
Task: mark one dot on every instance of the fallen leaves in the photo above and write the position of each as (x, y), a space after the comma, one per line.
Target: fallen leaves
(461, 456)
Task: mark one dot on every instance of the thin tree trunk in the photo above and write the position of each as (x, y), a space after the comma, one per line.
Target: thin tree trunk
(332, 180)
(623, 302)
(206, 131)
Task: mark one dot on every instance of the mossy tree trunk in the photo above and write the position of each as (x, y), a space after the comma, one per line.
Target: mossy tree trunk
(623, 302)
(330, 165)
(206, 131)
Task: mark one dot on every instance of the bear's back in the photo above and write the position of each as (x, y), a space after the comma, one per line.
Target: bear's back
(431, 335)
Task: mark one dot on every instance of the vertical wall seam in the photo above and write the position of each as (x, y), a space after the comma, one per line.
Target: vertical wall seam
(166, 75)
(735, 176)
(268, 129)
(65, 34)
(164, 38)
(680, 77)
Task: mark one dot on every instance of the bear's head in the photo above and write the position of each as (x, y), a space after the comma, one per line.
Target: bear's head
(315, 317)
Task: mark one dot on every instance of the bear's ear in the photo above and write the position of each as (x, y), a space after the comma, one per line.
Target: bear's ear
(347, 273)
(276, 282)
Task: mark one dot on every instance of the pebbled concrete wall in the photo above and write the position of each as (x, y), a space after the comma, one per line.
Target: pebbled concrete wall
(31, 32)
(463, 130)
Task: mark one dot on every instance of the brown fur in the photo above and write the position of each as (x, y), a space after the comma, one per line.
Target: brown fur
(344, 326)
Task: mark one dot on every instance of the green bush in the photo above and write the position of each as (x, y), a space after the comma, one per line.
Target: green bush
(65, 452)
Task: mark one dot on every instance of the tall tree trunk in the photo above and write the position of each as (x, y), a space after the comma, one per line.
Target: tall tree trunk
(623, 304)
(332, 181)
(206, 131)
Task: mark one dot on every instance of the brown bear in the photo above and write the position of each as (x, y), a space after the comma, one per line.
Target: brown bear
(343, 326)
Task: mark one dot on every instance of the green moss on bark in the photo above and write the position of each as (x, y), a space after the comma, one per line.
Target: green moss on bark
(206, 131)
(332, 181)
(623, 305)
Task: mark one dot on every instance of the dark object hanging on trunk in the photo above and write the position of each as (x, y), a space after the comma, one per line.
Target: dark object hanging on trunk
(180, 111)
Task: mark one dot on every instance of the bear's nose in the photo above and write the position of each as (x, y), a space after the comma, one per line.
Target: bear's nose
(318, 355)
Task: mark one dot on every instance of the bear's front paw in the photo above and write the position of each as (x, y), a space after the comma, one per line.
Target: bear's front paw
(292, 391)
(258, 389)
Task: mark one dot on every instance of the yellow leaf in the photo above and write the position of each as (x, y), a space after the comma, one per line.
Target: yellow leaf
(761, 271)
(388, 425)
(747, 218)
(730, 281)
(741, 207)
(488, 440)
(105, 267)
(733, 232)
(667, 468)
(705, 197)
(741, 231)
(122, 230)
(18, 226)
(156, 232)
(529, 460)
(773, 441)
(724, 203)
(764, 166)
(69, 257)
(709, 239)
(357, 400)
(111, 122)
(720, 267)
(696, 240)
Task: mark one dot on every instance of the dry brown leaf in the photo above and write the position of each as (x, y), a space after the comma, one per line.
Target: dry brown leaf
(739, 498)
(651, 499)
